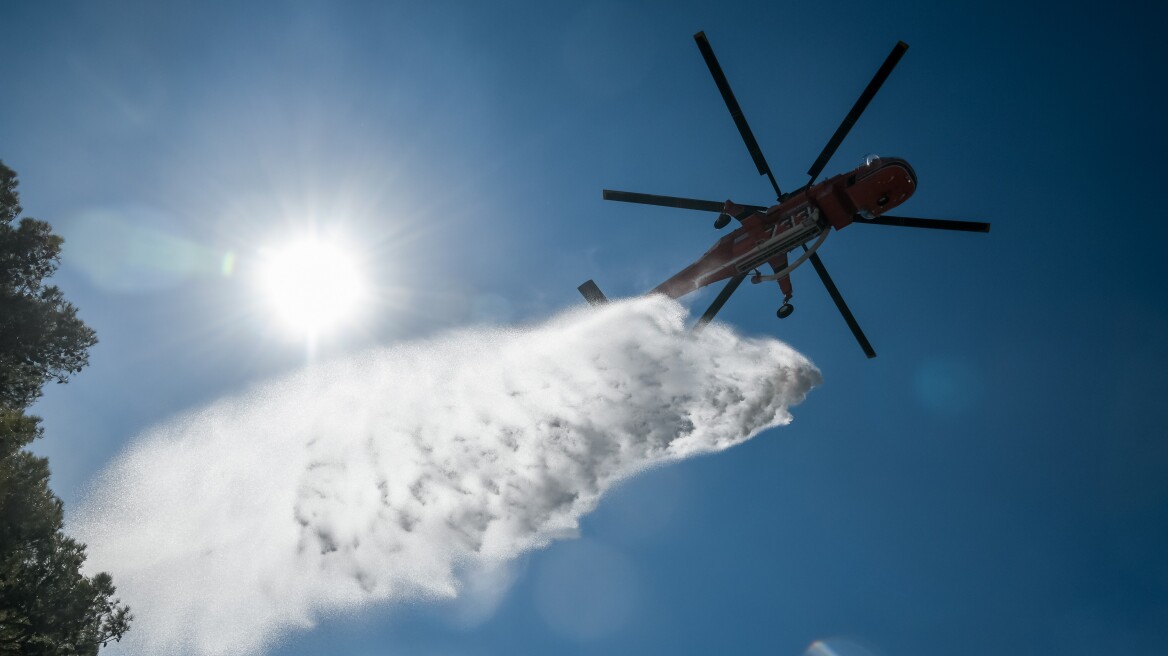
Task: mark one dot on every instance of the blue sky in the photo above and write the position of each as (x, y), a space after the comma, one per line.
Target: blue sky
(995, 480)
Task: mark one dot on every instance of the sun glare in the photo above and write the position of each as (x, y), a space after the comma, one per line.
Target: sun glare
(313, 286)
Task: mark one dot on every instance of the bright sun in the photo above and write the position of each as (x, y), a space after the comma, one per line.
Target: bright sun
(313, 286)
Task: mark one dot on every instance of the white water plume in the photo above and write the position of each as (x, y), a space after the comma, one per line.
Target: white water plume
(387, 476)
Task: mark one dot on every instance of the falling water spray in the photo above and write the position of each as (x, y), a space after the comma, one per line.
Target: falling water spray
(387, 476)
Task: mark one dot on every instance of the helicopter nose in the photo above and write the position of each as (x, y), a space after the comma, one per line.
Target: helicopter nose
(883, 189)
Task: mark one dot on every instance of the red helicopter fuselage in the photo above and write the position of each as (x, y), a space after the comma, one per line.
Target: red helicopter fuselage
(802, 219)
(872, 189)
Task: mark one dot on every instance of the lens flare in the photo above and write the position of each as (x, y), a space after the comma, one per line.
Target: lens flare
(837, 647)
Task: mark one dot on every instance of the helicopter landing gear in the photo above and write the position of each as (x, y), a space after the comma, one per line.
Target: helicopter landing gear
(786, 308)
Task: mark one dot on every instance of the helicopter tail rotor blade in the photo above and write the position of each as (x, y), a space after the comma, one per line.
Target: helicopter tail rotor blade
(735, 110)
(843, 307)
(591, 293)
(857, 109)
(672, 201)
(935, 224)
(723, 296)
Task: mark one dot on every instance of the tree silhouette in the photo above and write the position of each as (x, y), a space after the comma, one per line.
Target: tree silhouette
(47, 606)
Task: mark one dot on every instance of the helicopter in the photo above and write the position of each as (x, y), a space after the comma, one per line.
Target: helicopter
(801, 219)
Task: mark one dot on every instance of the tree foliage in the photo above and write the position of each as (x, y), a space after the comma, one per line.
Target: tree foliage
(41, 338)
(47, 606)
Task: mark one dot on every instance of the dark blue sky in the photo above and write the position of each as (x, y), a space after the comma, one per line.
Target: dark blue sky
(995, 481)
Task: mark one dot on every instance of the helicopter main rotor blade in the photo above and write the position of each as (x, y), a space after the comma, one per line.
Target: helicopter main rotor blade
(839, 303)
(735, 110)
(672, 201)
(723, 296)
(857, 109)
(936, 224)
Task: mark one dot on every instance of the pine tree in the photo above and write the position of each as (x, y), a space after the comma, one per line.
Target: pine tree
(47, 606)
